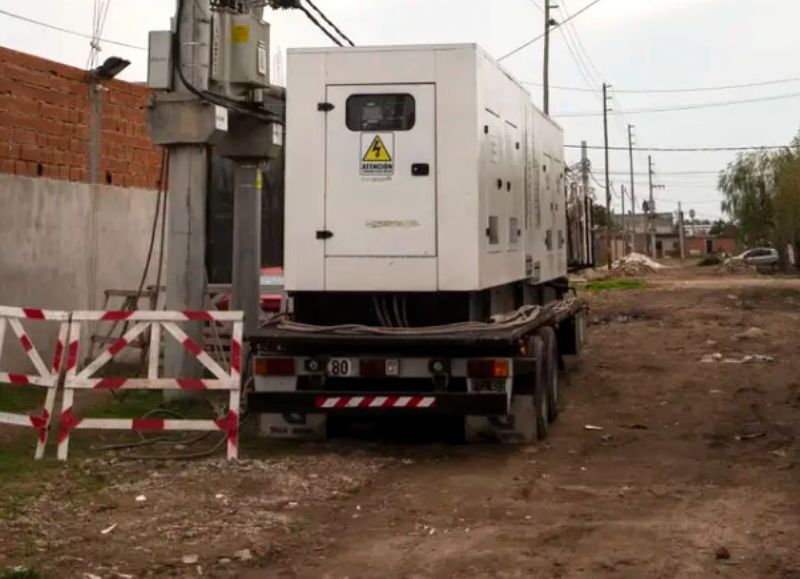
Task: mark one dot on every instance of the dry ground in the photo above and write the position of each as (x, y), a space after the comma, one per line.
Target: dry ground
(695, 473)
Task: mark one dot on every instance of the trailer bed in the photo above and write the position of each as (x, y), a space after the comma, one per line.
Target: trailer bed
(486, 340)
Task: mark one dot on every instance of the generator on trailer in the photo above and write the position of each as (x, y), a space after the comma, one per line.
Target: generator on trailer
(426, 246)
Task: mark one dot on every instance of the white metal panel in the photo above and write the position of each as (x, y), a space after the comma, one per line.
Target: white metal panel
(380, 274)
(461, 229)
(392, 213)
(304, 259)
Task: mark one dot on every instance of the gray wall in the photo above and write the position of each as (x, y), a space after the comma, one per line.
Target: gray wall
(62, 244)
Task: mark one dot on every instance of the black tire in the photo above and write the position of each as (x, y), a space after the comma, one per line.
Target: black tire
(551, 373)
(536, 350)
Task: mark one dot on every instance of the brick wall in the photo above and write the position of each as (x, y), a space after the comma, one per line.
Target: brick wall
(44, 125)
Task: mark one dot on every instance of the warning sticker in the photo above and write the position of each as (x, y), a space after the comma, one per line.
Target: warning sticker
(376, 158)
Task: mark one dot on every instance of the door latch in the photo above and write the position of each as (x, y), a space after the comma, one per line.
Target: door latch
(324, 234)
(420, 169)
(325, 107)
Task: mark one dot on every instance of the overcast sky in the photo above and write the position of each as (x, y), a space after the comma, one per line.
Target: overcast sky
(634, 44)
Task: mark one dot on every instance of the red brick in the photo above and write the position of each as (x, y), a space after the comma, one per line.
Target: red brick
(25, 168)
(7, 166)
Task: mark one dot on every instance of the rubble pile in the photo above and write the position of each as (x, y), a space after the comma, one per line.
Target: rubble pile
(636, 264)
(736, 267)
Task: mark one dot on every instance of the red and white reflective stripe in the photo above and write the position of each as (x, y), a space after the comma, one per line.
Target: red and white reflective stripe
(45, 377)
(32, 314)
(187, 384)
(156, 316)
(376, 402)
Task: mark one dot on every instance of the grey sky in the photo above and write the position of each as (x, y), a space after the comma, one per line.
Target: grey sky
(633, 43)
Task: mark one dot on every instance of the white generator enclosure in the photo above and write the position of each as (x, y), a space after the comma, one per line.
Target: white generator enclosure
(418, 169)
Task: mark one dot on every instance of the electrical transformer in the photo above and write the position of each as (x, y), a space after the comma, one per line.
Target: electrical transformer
(418, 169)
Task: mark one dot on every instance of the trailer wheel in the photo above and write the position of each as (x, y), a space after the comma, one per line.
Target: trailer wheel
(538, 379)
(551, 360)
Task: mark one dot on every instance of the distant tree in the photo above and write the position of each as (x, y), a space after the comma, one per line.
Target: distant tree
(746, 184)
(762, 196)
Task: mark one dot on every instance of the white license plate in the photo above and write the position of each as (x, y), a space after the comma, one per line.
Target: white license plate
(340, 367)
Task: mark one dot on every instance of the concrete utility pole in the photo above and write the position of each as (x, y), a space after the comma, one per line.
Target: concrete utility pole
(624, 192)
(188, 190)
(546, 69)
(585, 166)
(633, 184)
(608, 181)
(681, 232)
(651, 208)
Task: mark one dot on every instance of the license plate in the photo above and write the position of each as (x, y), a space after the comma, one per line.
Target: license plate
(340, 367)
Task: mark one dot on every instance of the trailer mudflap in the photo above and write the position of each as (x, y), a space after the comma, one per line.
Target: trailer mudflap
(358, 403)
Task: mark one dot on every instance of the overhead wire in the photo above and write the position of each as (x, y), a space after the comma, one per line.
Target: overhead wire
(67, 30)
(319, 25)
(686, 107)
(684, 149)
(331, 24)
(537, 38)
(676, 90)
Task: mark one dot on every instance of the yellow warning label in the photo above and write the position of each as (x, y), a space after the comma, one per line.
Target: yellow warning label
(240, 33)
(377, 152)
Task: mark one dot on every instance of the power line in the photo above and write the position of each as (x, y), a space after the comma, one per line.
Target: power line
(331, 24)
(68, 31)
(684, 107)
(644, 173)
(318, 24)
(527, 44)
(680, 90)
(686, 149)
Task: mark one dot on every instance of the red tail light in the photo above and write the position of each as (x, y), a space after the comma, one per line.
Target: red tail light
(274, 367)
(487, 369)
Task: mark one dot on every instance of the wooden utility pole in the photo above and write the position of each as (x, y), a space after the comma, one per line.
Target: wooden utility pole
(633, 186)
(681, 231)
(608, 181)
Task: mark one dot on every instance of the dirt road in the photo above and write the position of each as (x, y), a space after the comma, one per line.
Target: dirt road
(694, 472)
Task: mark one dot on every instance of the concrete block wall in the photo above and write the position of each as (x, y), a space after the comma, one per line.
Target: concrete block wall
(45, 125)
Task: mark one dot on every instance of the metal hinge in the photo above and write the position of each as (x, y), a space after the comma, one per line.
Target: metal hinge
(325, 107)
(324, 234)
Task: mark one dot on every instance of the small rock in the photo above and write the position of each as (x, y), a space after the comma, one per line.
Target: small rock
(224, 561)
(750, 334)
(711, 343)
(722, 553)
(141, 499)
(592, 427)
(190, 559)
(244, 555)
(107, 530)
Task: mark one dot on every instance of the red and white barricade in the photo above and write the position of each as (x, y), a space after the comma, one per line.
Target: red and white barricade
(45, 377)
(156, 323)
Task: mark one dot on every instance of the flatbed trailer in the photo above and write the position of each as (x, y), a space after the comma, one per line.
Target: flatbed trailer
(502, 380)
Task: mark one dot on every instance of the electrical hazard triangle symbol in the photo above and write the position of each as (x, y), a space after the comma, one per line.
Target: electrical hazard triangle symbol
(377, 152)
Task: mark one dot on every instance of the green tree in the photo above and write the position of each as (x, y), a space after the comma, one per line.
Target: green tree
(747, 186)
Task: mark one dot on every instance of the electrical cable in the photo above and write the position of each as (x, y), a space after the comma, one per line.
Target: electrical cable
(331, 24)
(677, 90)
(318, 24)
(686, 107)
(153, 229)
(527, 44)
(68, 31)
(684, 149)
